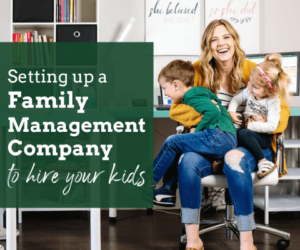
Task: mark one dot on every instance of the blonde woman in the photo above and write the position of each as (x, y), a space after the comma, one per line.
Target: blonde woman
(223, 69)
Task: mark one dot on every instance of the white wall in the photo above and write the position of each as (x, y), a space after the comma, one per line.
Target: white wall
(280, 21)
(278, 30)
(5, 20)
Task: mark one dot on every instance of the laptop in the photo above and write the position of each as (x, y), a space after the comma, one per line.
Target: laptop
(164, 101)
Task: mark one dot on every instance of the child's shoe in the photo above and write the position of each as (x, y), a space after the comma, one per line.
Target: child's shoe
(163, 197)
(264, 168)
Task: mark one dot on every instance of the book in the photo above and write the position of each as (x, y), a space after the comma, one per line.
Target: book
(51, 51)
(46, 49)
(36, 40)
(75, 11)
(62, 11)
(33, 53)
(68, 11)
(71, 11)
(41, 51)
(16, 49)
(29, 48)
(59, 10)
(65, 11)
(28, 33)
(23, 50)
(16, 37)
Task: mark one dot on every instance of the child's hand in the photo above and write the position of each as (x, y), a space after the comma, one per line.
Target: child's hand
(263, 119)
(235, 117)
(192, 130)
(248, 121)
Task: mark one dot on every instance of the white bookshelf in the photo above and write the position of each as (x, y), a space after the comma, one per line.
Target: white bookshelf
(87, 14)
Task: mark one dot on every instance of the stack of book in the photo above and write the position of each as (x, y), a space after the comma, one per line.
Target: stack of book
(66, 11)
(28, 54)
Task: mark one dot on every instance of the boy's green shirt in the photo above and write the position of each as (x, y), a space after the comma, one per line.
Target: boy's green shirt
(200, 99)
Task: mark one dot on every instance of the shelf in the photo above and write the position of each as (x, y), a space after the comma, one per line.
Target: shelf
(293, 174)
(283, 203)
(81, 23)
(28, 24)
(53, 209)
(85, 11)
(46, 29)
(33, 26)
(291, 143)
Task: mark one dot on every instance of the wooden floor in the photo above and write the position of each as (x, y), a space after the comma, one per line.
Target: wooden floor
(135, 230)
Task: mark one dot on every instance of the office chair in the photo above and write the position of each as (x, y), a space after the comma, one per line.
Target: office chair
(229, 222)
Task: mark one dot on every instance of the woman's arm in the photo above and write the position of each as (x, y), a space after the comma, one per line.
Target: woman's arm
(185, 114)
(284, 117)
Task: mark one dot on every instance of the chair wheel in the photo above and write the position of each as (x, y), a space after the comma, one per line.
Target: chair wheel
(283, 244)
(182, 246)
(183, 230)
(149, 211)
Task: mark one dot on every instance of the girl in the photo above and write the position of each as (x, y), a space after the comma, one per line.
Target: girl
(267, 81)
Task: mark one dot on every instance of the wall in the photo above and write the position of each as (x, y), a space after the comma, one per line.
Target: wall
(5, 20)
(279, 30)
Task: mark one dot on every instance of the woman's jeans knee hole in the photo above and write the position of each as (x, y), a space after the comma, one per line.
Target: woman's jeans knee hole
(233, 159)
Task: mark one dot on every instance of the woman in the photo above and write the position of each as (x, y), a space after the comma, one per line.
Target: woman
(222, 69)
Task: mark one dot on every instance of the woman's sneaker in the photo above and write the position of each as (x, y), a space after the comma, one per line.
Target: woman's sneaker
(163, 197)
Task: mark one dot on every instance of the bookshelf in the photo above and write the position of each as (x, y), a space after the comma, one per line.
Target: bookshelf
(87, 13)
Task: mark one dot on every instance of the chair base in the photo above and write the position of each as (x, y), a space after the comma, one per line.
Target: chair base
(231, 229)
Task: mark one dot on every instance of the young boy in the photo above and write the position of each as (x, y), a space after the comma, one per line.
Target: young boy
(214, 136)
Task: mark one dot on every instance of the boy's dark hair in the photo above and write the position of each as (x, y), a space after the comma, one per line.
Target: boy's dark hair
(180, 70)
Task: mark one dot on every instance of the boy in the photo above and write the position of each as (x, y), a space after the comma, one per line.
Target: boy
(214, 136)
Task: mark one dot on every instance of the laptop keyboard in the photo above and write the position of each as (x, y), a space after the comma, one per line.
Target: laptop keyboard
(162, 107)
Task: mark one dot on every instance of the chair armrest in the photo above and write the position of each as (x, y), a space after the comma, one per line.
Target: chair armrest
(280, 154)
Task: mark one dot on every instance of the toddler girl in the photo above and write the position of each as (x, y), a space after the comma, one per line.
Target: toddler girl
(267, 81)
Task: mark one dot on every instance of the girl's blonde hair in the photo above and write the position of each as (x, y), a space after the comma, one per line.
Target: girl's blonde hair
(210, 72)
(279, 79)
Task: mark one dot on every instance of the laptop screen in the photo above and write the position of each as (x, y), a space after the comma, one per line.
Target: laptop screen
(165, 99)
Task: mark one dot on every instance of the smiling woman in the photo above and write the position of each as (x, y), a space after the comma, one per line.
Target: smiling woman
(221, 54)
(223, 69)
(222, 44)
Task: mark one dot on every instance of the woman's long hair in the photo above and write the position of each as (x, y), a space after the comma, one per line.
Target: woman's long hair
(210, 72)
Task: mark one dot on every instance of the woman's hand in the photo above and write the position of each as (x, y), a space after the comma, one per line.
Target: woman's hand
(215, 102)
(234, 117)
(257, 119)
